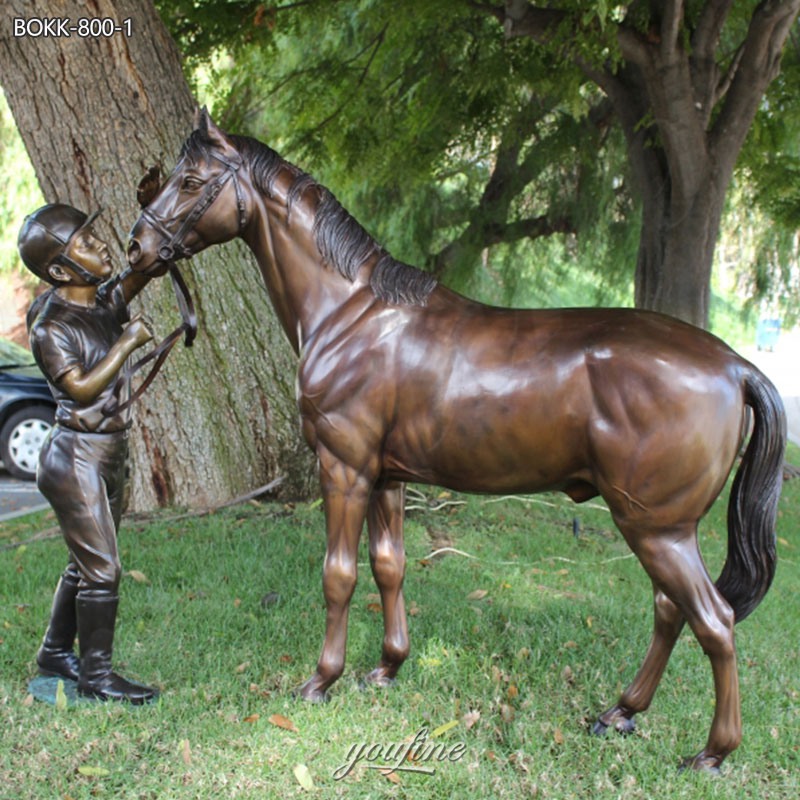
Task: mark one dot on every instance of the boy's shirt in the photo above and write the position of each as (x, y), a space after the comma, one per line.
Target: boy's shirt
(64, 335)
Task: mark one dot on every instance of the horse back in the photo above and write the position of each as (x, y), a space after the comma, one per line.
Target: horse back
(500, 400)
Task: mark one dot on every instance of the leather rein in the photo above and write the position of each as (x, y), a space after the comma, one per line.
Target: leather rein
(168, 253)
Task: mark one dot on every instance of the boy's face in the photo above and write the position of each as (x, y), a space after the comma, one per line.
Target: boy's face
(91, 253)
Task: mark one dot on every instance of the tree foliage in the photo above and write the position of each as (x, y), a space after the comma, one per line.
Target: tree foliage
(456, 148)
(19, 191)
(601, 128)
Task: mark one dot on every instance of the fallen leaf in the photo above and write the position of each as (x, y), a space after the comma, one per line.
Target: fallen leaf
(237, 602)
(512, 692)
(242, 667)
(301, 772)
(558, 737)
(94, 772)
(375, 608)
(444, 728)
(478, 594)
(390, 775)
(270, 599)
(28, 701)
(61, 697)
(186, 752)
(470, 718)
(285, 659)
(282, 722)
(139, 577)
(252, 718)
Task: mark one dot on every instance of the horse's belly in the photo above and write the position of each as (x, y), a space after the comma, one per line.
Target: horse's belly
(488, 454)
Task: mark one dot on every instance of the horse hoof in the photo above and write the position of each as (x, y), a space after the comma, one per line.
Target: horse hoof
(616, 720)
(311, 692)
(380, 678)
(701, 763)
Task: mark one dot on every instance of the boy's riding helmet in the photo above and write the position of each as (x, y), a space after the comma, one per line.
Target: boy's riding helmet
(44, 237)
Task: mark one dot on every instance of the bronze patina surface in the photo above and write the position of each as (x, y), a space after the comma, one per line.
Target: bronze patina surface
(401, 379)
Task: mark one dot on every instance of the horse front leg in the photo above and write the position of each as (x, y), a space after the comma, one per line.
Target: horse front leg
(345, 493)
(388, 560)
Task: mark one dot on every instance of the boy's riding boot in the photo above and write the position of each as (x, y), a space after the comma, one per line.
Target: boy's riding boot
(97, 615)
(56, 657)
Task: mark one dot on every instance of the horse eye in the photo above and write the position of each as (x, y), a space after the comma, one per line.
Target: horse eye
(191, 184)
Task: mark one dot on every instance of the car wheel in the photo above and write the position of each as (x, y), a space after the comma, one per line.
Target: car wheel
(22, 437)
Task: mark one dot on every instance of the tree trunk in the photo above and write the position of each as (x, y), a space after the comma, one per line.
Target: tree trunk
(94, 113)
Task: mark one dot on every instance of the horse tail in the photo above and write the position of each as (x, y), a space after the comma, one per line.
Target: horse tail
(753, 504)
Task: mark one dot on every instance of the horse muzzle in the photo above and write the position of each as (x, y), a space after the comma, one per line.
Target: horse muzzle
(151, 258)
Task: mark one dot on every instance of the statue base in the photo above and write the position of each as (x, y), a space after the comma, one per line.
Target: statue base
(46, 689)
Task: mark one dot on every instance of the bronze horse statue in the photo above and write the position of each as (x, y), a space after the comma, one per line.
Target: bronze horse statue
(401, 379)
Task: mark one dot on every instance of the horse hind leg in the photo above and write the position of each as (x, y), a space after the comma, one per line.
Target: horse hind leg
(668, 623)
(388, 561)
(673, 562)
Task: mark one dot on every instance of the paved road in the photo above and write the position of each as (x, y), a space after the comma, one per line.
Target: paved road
(782, 366)
(18, 497)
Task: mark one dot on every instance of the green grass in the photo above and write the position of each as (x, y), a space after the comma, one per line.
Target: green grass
(523, 669)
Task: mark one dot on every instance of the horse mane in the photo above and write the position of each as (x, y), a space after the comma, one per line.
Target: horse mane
(341, 240)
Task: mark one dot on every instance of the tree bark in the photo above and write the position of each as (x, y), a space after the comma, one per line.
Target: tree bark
(685, 122)
(94, 113)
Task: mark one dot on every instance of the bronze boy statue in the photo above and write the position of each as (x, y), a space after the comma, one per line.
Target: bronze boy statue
(81, 335)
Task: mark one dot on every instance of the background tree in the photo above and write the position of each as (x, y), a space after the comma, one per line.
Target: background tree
(94, 114)
(685, 81)
(454, 148)
(573, 117)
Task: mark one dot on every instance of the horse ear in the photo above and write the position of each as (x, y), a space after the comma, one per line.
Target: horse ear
(149, 186)
(208, 130)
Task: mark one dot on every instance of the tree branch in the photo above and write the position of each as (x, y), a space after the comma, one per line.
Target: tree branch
(709, 28)
(721, 89)
(536, 227)
(498, 12)
(522, 19)
(671, 23)
(375, 44)
(757, 66)
(633, 46)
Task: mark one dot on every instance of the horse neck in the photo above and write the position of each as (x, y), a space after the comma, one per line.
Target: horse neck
(304, 292)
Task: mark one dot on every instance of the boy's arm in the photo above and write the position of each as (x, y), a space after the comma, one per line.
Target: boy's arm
(85, 386)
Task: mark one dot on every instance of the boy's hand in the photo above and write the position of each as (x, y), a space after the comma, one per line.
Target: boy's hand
(138, 331)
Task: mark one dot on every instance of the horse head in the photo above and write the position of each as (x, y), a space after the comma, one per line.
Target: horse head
(173, 223)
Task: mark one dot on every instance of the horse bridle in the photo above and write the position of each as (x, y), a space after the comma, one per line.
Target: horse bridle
(168, 253)
(174, 247)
